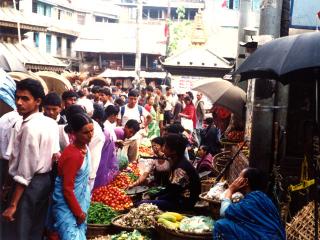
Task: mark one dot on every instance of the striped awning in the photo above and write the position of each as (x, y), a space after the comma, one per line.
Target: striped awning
(9, 17)
(32, 58)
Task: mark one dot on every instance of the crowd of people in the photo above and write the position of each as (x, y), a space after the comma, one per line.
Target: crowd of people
(57, 149)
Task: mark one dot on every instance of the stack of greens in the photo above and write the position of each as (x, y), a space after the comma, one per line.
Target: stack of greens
(100, 214)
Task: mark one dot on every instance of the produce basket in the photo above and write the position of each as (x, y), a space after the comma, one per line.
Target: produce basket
(214, 205)
(95, 230)
(220, 160)
(302, 225)
(207, 184)
(170, 234)
(128, 228)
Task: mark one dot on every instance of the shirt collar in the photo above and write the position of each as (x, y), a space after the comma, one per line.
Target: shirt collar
(33, 115)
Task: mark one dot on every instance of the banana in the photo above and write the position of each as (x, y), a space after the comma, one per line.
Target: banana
(178, 216)
(168, 217)
(167, 223)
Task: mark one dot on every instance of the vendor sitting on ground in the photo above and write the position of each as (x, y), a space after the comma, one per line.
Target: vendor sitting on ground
(158, 167)
(205, 163)
(184, 186)
(255, 216)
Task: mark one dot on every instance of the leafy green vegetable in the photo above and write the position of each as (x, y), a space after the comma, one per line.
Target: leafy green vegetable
(132, 176)
(100, 214)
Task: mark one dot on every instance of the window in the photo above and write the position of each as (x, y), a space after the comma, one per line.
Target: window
(69, 42)
(129, 61)
(81, 19)
(59, 14)
(34, 6)
(99, 19)
(59, 45)
(48, 43)
(36, 39)
(153, 14)
(43, 9)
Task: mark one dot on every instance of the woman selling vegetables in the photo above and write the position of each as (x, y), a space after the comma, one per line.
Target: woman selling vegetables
(184, 186)
(160, 167)
(71, 196)
(254, 217)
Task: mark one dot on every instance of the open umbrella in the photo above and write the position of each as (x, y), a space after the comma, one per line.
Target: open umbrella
(284, 59)
(293, 58)
(223, 93)
(18, 76)
(55, 82)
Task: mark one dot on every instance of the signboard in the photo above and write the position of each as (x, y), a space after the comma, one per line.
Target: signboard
(304, 14)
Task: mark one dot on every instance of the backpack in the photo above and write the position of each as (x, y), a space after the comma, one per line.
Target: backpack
(122, 110)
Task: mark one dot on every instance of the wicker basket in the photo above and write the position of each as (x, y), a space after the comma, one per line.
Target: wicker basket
(207, 184)
(214, 205)
(170, 234)
(221, 159)
(95, 230)
(302, 225)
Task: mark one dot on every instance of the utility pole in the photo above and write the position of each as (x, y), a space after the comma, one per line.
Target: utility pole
(261, 144)
(18, 21)
(244, 21)
(138, 45)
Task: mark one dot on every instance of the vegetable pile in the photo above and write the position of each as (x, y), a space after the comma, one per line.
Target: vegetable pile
(135, 235)
(100, 214)
(176, 221)
(113, 197)
(140, 217)
(145, 150)
(197, 224)
(121, 181)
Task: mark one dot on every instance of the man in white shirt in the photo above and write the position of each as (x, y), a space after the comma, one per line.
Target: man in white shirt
(7, 121)
(33, 143)
(105, 97)
(170, 102)
(133, 111)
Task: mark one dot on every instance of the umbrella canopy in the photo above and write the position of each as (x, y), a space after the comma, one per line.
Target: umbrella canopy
(284, 59)
(224, 93)
(11, 64)
(55, 82)
(18, 76)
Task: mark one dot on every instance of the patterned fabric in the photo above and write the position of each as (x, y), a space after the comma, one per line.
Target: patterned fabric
(65, 222)
(153, 127)
(7, 89)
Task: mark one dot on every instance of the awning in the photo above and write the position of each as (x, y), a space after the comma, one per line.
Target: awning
(10, 16)
(55, 82)
(32, 58)
(155, 75)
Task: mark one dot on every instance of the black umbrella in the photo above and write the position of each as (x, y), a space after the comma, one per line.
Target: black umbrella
(11, 64)
(287, 59)
(284, 59)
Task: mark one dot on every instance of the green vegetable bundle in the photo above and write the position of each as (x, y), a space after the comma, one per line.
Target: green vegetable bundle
(132, 176)
(135, 235)
(100, 214)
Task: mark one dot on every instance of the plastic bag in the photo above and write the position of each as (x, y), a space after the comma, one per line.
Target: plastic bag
(122, 158)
